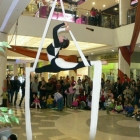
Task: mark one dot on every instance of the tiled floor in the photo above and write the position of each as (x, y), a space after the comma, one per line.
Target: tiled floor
(71, 124)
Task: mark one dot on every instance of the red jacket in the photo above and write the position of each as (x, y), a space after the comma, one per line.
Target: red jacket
(82, 98)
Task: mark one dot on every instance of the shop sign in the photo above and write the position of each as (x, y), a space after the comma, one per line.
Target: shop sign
(110, 56)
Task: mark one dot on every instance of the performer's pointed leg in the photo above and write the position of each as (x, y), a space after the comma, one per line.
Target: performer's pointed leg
(47, 68)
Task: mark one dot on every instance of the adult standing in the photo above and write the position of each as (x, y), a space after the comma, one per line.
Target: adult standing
(9, 88)
(49, 88)
(92, 16)
(65, 86)
(78, 89)
(34, 89)
(23, 92)
(70, 93)
(43, 89)
(16, 87)
(40, 83)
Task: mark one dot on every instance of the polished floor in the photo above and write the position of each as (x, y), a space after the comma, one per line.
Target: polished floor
(71, 124)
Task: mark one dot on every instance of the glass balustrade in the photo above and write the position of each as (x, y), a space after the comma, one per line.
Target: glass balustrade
(73, 14)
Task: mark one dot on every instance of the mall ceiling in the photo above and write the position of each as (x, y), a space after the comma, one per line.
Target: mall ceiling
(10, 10)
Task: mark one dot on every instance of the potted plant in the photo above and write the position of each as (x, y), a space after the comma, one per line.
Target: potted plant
(7, 118)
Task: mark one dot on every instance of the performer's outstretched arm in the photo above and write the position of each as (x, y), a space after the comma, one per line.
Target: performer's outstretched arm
(56, 30)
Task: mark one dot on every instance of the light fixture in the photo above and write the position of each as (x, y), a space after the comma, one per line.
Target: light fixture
(92, 53)
(117, 1)
(112, 50)
(103, 5)
(115, 9)
(93, 3)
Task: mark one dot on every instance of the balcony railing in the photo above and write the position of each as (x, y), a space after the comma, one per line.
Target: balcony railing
(77, 15)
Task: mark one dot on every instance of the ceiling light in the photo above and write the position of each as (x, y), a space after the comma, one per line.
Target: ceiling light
(93, 3)
(117, 1)
(103, 5)
(112, 50)
(92, 53)
(115, 9)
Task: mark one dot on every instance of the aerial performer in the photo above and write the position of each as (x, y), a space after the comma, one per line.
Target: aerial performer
(60, 42)
(58, 64)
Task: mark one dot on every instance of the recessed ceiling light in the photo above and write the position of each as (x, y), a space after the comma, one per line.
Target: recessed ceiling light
(92, 53)
(112, 50)
(93, 3)
(103, 5)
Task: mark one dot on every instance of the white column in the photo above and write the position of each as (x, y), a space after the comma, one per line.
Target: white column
(45, 74)
(15, 69)
(3, 64)
(124, 5)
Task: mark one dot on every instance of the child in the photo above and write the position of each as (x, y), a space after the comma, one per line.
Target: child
(129, 110)
(109, 104)
(88, 107)
(119, 107)
(43, 102)
(36, 102)
(102, 100)
(135, 111)
(75, 103)
(12, 137)
(5, 97)
(59, 100)
(50, 102)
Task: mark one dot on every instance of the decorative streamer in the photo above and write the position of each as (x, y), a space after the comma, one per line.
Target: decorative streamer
(95, 98)
(28, 71)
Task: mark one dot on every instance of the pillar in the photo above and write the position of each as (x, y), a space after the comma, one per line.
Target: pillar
(3, 64)
(45, 74)
(15, 69)
(124, 62)
(124, 5)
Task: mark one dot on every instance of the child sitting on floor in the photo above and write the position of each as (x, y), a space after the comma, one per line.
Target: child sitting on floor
(135, 111)
(118, 107)
(50, 102)
(88, 106)
(5, 97)
(36, 102)
(59, 100)
(109, 104)
(75, 104)
(129, 110)
(43, 102)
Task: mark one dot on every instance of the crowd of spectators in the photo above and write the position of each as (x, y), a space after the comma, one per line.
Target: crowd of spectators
(121, 97)
(60, 93)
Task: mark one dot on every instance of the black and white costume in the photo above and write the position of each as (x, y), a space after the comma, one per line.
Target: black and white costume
(58, 64)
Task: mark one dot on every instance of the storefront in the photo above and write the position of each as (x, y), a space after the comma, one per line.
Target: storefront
(110, 71)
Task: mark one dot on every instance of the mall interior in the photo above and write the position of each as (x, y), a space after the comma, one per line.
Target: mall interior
(106, 31)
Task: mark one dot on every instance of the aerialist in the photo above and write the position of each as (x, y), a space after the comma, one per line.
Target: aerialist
(59, 64)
